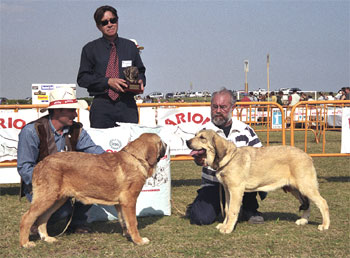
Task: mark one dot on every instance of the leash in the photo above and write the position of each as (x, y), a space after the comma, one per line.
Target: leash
(72, 201)
(173, 205)
(221, 202)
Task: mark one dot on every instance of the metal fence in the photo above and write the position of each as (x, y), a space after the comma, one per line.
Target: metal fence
(316, 117)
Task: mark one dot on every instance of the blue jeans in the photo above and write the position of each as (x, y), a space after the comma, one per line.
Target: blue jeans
(65, 212)
(206, 207)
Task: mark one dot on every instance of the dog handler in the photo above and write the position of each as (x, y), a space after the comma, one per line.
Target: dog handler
(53, 133)
(206, 207)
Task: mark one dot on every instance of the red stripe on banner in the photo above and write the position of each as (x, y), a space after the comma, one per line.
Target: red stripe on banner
(152, 190)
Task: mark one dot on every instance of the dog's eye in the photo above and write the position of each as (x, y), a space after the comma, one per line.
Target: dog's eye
(201, 137)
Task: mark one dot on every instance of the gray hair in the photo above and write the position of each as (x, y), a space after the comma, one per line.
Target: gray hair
(225, 91)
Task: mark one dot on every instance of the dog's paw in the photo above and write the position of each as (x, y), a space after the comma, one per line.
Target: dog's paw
(322, 228)
(144, 241)
(219, 226)
(29, 244)
(301, 222)
(50, 239)
(226, 230)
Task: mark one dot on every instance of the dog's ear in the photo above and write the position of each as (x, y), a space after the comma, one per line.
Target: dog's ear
(152, 155)
(220, 147)
(163, 147)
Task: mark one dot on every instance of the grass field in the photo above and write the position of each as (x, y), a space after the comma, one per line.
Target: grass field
(174, 236)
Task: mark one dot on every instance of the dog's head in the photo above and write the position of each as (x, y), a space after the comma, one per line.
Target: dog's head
(148, 147)
(208, 148)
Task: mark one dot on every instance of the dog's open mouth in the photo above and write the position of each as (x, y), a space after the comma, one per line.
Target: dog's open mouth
(199, 156)
(195, 153)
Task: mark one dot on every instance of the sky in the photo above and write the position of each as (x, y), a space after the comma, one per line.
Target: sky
(189, 45)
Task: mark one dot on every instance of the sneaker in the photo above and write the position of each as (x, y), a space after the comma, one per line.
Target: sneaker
(253, 217)
(81, 229)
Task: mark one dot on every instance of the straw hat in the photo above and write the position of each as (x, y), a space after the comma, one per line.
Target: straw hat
(65, 98)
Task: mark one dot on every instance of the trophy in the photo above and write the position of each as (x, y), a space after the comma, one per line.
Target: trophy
(131, 76)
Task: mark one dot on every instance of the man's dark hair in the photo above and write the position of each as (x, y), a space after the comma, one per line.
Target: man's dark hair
(101, 11)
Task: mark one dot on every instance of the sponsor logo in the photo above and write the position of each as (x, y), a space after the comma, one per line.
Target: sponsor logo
(11, 123)
(115, 144)
(188, 117)
(47, 87)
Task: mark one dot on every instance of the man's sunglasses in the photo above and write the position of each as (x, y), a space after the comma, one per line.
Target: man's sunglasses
(112, 21)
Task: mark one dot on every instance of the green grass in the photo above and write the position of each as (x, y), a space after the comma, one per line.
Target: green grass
(174, 236)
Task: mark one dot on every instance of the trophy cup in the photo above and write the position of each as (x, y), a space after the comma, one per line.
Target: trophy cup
(131, 76)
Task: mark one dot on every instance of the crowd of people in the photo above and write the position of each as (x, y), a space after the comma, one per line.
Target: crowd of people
(294, 97)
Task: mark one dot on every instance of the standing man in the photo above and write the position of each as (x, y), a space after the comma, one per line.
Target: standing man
(206, 207)
(347, 93)
(101, 73)
(53, 133)
(295, 98)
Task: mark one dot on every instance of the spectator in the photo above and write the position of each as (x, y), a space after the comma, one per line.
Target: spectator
(339, 95)
(322, 96)
(139, 100)
(245, 98)
(331, 96)
(53, 133)
(303, 97)
(310, 98)
(295, 98)
(279, 98)
(101, 73)
(273, 97)
(252, 97)
(261, 97)
(206, 206)
(347, 93)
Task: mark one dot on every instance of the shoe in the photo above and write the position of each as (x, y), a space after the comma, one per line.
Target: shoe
(188, 211)
(253, 217)
(81, 229)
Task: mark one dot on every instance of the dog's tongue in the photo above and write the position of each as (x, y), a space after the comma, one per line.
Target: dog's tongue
(197, 152)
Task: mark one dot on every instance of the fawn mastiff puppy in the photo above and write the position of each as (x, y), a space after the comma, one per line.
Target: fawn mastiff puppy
(108, 178)
(249, 169)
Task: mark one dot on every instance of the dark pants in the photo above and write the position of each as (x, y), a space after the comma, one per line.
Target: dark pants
(206, 207)
(105, 113)
(65, 212)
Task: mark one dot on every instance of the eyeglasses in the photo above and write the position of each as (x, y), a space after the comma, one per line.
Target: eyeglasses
(222, 107)
(112, 21)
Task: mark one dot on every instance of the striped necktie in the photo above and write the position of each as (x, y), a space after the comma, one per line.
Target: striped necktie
(113, 70)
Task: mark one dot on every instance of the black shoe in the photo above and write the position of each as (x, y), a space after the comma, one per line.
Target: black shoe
(188, 211)
(253, 217)
(81, 229)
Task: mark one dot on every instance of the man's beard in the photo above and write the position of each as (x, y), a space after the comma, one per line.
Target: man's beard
(220, 120)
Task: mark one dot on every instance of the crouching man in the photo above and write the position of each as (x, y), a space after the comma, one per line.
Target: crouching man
(53, 133)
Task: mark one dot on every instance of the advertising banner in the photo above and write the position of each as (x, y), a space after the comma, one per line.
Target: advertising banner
(40, 91)
(345, 131)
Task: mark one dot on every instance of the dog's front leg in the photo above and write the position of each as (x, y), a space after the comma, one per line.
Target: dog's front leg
(129, 213)
(235, 195)
(227, 203)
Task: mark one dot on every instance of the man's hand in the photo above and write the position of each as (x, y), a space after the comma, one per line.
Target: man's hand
(142, 88)
(117, 84)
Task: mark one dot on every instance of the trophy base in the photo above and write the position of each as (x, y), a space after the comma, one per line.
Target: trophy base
(134, 87)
